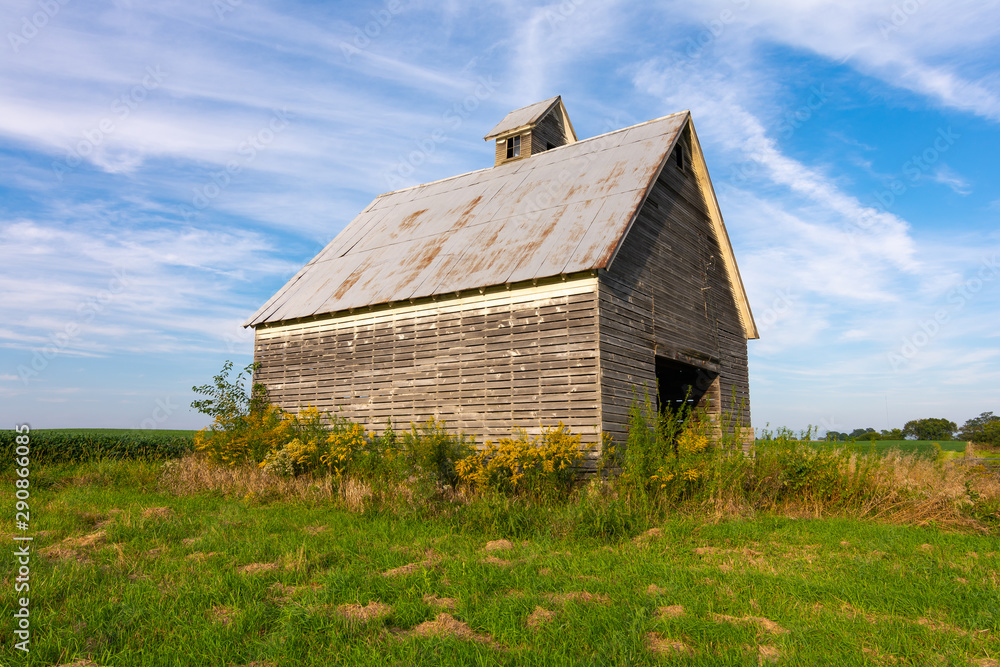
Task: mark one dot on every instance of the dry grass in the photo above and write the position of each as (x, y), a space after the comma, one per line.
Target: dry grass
(444, 625)
(257, 568)
(578, 596)
(764, 624)
(441, 604)
(915, 490)
(540, 617)
(657, 644)
(194, 473)
(900, 488)
(223, 615)
(410, 568)
(363, 614)
(499, 562)
(672, 611)
(498, 545)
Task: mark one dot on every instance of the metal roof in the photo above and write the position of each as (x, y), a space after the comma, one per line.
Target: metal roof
(522, 118)
(561, 211)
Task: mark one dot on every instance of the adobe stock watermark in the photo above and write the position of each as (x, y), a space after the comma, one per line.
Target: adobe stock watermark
(31, 26)
(928, 329)
(247, 151)
(561, 12)
(121, 108)
(911, 172)
(712, 29)
(60, 340)
(790, 123)
(782, 304)
(238, 343)
(898, 16)
(223, 7)
(22, 518)
(163, 411)
(453, 118)
(363, 35)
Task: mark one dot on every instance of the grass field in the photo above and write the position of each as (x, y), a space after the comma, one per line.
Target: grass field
(124, 573)
(117, 431)
(920, 447)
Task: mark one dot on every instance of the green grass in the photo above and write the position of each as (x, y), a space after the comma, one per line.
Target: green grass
(153, 586)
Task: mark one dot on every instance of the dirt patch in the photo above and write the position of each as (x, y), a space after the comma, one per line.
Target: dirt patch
(706, 551)
(852, 611)
(578, 596)
(878, 657)
(926, 548)
(500, 562)
(768, 654)
(315, 530)
(75, 548)
(157, 513)
(84, 541)
(765, 624)
(661, 646)
(985, 662)
(649, 535)
(372, 611)
(188, 541)
(940, 626)
(498, 545)
(198, 555)
(257, 568)
(441, 604)
(673, 611)
(223, 615)
(281, 592)
(545, 571)
(409, 568)
(653, 589)
(541, 616)
(445, 625)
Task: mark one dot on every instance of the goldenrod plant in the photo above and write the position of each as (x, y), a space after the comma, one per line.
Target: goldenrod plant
(539, 466)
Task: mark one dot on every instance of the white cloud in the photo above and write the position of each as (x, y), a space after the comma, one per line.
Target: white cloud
(947, 176)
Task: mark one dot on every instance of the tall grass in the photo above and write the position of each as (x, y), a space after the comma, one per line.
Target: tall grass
(669, 464)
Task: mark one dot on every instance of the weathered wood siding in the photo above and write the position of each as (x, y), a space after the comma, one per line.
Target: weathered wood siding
(667, 294)
(548, 130)
(501, 145)
(484, 363)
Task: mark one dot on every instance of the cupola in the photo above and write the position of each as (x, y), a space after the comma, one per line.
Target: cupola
(532, 129)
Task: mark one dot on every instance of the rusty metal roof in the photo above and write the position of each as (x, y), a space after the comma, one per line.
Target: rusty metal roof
(525, 117)
(558, 212)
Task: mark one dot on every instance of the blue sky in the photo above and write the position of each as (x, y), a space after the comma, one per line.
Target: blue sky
(169, 165)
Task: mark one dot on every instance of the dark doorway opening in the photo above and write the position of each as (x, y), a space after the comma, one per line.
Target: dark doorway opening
(679, 386)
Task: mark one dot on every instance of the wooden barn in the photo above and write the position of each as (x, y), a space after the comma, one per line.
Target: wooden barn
(556, 285)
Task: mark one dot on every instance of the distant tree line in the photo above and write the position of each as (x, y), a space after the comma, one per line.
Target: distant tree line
(984, 430)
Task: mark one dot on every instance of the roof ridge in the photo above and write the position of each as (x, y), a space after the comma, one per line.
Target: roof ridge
(554, 148)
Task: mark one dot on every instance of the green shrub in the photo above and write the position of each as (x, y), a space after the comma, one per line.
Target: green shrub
(427, 449)
(245, 426)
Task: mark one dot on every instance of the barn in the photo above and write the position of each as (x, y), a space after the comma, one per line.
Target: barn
(559, 284)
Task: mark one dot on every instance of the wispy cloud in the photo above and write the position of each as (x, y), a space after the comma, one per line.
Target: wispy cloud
(947, 176)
